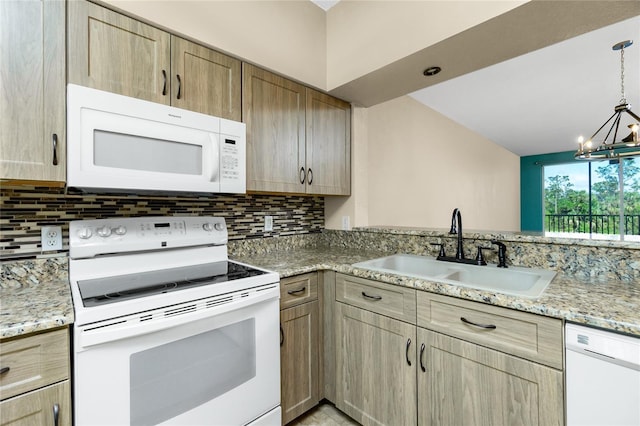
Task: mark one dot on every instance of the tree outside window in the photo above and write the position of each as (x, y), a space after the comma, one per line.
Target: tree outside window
(588, 200)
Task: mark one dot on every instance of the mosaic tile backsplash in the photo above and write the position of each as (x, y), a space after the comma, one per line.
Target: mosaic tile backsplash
(25, 209)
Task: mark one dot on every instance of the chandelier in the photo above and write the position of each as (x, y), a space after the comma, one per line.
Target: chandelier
(625, 147)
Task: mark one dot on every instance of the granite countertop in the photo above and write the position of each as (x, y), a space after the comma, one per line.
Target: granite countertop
(613, 305)
(35, 295)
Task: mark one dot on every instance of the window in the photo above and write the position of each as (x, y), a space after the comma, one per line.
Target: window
(592, 199)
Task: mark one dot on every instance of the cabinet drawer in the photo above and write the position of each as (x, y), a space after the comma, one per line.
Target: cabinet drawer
(298, 289)
(522, 334)
(385, 299)
(33, 362)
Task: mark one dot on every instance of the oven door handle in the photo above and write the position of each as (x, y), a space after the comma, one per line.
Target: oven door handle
(99, 333)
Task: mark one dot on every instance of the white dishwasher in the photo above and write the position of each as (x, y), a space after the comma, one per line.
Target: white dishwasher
(603, 377)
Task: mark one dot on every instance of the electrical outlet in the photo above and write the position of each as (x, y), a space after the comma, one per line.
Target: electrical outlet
(268, 223)
(51, 238)
(345, 223)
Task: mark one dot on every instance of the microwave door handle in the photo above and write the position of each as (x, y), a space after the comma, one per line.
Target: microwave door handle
(212, 168)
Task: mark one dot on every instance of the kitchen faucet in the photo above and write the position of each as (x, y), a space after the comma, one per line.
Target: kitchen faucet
(456, 228)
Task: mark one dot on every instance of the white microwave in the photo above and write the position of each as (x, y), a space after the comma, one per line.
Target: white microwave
(120, 144)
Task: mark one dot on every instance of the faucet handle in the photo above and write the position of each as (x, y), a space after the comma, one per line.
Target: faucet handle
(479, 257)
(442, 253)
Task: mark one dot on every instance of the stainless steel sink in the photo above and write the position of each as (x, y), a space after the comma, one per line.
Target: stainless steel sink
(517, 281)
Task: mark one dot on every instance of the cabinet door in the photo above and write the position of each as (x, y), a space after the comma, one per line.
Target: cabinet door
(32, 90)
(466, 384)
(375, 367)
(273, 109)
(299, 357)
(328, 136)
(109, 51)
(204, 80)
(46, 406)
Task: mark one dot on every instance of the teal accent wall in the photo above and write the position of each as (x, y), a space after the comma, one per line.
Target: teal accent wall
(532, 187)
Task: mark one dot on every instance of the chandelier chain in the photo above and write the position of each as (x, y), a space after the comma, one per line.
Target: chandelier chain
(623, 99)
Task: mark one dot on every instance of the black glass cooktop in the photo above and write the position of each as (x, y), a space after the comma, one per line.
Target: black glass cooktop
(118, 288)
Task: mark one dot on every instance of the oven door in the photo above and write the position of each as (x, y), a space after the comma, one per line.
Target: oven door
(218, 367)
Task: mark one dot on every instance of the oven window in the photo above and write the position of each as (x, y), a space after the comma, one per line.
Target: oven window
(176, 377)
(132, 152)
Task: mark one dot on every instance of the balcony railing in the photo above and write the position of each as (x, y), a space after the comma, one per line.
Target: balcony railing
(594, 224)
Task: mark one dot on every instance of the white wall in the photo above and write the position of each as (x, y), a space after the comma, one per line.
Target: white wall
(365, 35)
(420, 166)
(288, 37)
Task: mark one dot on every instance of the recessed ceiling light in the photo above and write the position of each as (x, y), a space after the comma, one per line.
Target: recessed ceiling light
(431, 71)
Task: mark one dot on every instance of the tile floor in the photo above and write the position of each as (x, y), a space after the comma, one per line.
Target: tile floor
(324, 415)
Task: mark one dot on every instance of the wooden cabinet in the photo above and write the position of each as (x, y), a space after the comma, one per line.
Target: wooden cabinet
(112, 52)
(34, 383)
(206, 81)
(483, 365)
(328, 144)
(461, 383)
(526, 335)
(273, 108)
(465, 362)
(375, 351)
(32, 92)
(299, 345)
(298, 139)
(375, 367)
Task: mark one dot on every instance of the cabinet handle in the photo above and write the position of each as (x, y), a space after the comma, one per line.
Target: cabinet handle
(55, 149)
(4, 370)
(296, 292)
(368, 296)
(164, 85)
(281, 335)
(179, 85)
(422, 348)
(310, 176)
(406, 352)
(302, 175)
(487, 326)
(56, 414)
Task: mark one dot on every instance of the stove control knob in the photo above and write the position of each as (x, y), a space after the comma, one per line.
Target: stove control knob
(208, 227)
(104, 232)
(219, 226)
(120, 230)
(85, 233)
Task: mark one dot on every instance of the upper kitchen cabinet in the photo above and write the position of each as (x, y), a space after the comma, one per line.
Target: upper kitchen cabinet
(32, 90)
(206, 81)
(112, 52)
(328, 144)
(273, 108)
(298, 139)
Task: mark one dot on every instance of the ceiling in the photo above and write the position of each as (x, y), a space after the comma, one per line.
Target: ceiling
(536, 103)
(542, 101)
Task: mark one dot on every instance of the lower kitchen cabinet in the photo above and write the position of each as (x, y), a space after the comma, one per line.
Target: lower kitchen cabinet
(461, 383)
(47, 406)
(299, 346)
(375, 367)
(34, 383)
